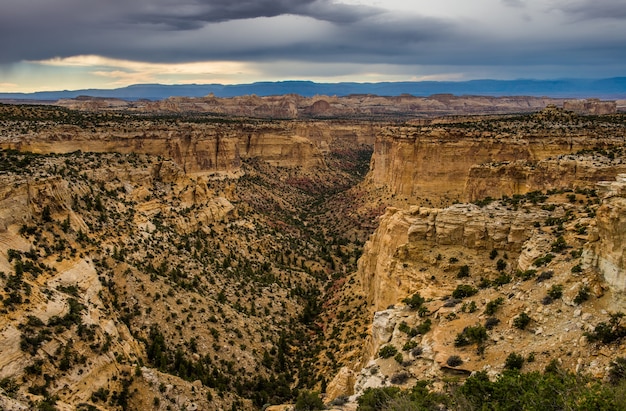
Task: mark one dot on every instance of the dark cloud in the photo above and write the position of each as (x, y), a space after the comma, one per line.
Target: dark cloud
(40, 29)
(302, 30)
(596, 9)
(513, 3)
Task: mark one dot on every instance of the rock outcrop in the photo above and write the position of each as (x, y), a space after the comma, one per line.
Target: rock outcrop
(608, 251)
(198, 147)
(394, 258)
(445, 163)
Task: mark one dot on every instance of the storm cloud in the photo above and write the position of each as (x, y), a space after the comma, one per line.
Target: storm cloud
(451, 33)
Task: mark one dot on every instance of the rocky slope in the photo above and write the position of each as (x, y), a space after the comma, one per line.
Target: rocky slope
(130, 284)
(184, 262)
(550, 249)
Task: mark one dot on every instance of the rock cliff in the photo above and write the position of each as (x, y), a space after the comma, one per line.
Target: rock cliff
(440, 164)
(608, 250)
(199, 147)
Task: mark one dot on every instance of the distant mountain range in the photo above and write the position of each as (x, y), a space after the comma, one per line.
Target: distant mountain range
(611, 88)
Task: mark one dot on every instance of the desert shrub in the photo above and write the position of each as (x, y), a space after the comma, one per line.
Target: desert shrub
(526, 275)
(464, 272)
(469, 307)
(399, 358)
(545, 260)
(471, 335)
(493, 254)
(424, 327)
(607, 333)
(513, 390)
(617, 370)
(514, 361)
(491, 322)
(545, 275)
(374, 399)
(502, 279)
(400, 378)
(558, 245)
(556, 291)
(582, 295)
(463, 291)
(454, 361)
(409, 345)
(501, 265)
(309, 401)
(493, 305)
(415, 301)
(387, 351)
(521, 321)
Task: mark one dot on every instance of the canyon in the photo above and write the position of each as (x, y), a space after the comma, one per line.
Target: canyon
(153, 256)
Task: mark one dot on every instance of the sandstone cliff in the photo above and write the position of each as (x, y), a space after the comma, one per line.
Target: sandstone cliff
(201, 147)
(444, 163)
(607, 251)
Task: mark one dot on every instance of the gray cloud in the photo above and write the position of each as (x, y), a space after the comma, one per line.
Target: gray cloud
(513, 3)
(304, 30)
(595, 9)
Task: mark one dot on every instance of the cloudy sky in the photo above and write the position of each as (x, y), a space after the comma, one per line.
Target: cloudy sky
(73, 44)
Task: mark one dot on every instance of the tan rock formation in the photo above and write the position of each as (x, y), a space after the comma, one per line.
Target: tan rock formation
(353, 106)
(608, 252)
(204, 147)
(591, 106)
(413, 235)
(443, 164)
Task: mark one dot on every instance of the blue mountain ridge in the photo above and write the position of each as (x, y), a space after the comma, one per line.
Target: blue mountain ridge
(610, 88)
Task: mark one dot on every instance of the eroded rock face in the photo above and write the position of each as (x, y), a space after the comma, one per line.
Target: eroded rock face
(608, 252)
(520, 177)
(440, 164)
(204, 147)
(415, 234)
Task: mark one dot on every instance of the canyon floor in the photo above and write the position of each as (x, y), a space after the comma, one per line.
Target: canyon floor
(188, 261)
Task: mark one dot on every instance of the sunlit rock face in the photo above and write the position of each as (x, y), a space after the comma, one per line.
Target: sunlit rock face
(608, 252)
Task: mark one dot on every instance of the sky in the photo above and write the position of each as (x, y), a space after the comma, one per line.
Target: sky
(75, 44)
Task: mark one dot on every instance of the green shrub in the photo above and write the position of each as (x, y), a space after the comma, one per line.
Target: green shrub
(409, 345)
(309, 401)
(399, 358)
(514, 361)
(387, 351)
(471, 335)
(617, 370)
(556, 291)
(521, 321)
(545, 260)
(463, 272)
(454, 361)
(374, 399)
(526, 275)
(424, 327)
(493, 305)
(463, 291)
(607, 333)
(582, 296)
(415, 301)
